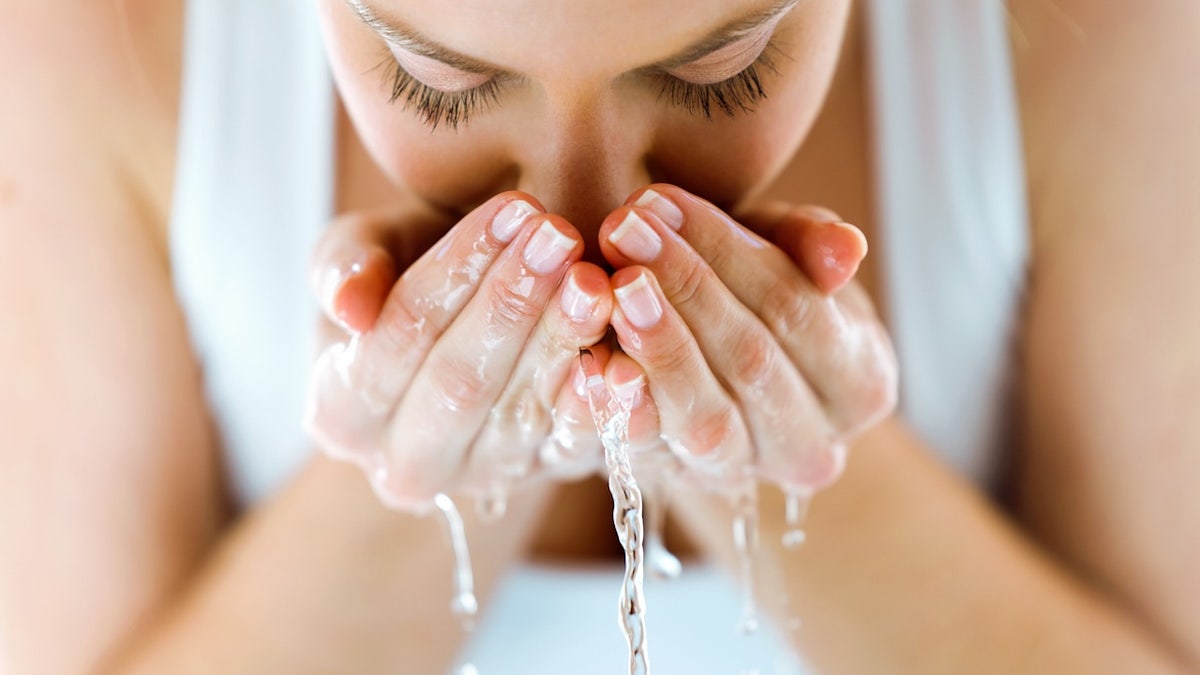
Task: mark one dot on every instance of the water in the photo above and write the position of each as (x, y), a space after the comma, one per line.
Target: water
(745, 544)
(796, 510)
(464, 605)
(611, 414)
(662, 563)
(492, 506)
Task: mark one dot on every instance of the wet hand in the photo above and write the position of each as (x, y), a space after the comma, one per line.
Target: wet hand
(459, 374)
(753, 356)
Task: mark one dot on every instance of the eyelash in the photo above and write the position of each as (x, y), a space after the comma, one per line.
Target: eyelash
(436, 107)
(739, 93)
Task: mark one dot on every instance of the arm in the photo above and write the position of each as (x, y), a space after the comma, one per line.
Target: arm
(909, 570)
(116, 550)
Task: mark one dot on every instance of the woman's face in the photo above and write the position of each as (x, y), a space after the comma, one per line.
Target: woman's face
(580, 102)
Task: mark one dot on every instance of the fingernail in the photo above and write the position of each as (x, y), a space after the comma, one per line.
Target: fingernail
(547, 249)
(627, 391)
(596, 389)
(576, 303)
(662, 207)
(638, 303)
(508, 220)
(579, 383)
(636, 239)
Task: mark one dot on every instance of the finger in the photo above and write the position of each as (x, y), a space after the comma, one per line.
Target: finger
(839, 347)
(776, 401)
(648, 452)
(698, 419)
(355, 384)
(572, 449)
(464, 373)
(827, 249)
(429, 294)
(575, 318)
(351, 270)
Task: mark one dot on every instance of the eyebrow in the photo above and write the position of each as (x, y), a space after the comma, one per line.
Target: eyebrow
(408, 39)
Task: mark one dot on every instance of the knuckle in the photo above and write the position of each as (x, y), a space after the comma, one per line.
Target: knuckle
(458, 386)
(711, 435)
(521, 417)
(403, 322)
(511, 306)
(689, 284)
(717, 257)
(874, 393)
(787, 309)
(675, 355)
(755, 360)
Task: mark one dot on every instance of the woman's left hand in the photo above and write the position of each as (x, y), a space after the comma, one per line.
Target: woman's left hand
(761, 358)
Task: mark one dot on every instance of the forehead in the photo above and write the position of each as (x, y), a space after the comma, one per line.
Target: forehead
(562, 37)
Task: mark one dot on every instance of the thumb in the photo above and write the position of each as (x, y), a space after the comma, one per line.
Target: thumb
(827, 249)
(351, 270)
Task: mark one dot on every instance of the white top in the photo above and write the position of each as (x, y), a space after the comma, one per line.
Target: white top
(254, 186)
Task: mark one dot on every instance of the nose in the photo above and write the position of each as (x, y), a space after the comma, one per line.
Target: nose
(586, 162)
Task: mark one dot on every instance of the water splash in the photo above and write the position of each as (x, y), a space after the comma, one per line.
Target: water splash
(611, 414)
(796, 511)
(464, 605)
(745, 544)
(662, 563)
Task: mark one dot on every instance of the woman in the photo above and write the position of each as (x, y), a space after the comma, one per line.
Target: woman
(157, 521)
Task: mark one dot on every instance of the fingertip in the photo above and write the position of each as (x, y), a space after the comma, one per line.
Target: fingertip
(627, 275)
(626, 378)
(515, 195)
(609, 250)
(833, 252)
(828, 252)
(586, 296)
(357, 300)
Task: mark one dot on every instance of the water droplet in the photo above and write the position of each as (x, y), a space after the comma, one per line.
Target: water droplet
(745, 544)
(464, 604)
(796, 511)
(492, 507)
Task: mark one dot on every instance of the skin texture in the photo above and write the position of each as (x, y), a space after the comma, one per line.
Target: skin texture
(908, 568)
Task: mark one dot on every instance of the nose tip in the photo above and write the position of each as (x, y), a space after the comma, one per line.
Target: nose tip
(585, 196)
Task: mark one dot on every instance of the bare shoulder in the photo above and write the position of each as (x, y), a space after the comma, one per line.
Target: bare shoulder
(1101, 84)
(108, 468)
(1110, 456)
(99, 79)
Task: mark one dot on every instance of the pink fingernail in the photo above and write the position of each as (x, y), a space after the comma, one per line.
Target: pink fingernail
(662, 207)
(508, 220)
(638, 303)
(547, 249)
(628, 391)
(576, 303)
(636, 239)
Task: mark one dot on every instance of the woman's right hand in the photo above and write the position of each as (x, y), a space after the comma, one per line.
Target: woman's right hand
(460, 375)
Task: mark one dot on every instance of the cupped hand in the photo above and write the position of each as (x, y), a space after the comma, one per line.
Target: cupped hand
(757, 356)
(460, 374)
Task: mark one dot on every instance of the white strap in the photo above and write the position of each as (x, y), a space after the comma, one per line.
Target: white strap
(253, 188)
(954, 223)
